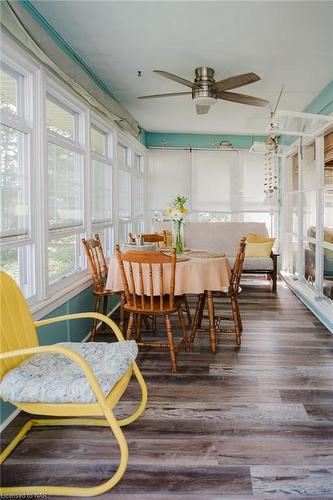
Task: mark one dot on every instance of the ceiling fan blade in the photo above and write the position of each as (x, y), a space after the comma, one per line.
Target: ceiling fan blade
(164, 95)
(235, 81)
(201, 110)
(175, 78)
(242, 99)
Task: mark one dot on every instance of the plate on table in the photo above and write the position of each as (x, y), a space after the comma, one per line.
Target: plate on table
(182, 258)
(169, 249)
(203, 254)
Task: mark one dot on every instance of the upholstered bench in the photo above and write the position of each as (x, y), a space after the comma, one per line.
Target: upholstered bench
(225, 237)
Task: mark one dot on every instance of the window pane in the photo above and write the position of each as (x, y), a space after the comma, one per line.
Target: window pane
(309, 214)
(106, 235)
(60, 120)
(328, 215)
(123, 155)
(101, 191)
(138, 226)
(309, 250)
(138, 202)
(329, 172)
(309, 166)
(9, 262)
(98, 141)
(328, 273)
(295, 172)
(65, 187)
(124, 194)
(138, 164)
(212, 217)
(295, 256)
(14, 184)
(295, 213)
(259, 217)
(8, 92)
(62, 258)
(124, 229)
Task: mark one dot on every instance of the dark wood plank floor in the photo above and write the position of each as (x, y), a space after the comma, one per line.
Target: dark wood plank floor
(249, 422)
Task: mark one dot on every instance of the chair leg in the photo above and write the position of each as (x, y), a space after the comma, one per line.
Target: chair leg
(188, 311)
(201, 309)
(130, 326)
(94, 325)
(236, 316)
(184, 332)
(138, 337)
(196, 319)
(70, 491)
(122, 313)
(144, 395)
(170, 342)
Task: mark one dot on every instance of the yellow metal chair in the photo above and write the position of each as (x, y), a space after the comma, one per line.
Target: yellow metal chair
(18, 342)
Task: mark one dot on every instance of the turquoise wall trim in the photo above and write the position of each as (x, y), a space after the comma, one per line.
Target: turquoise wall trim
(68, 331)
(175, 140)
(323, 103)
(56, 37)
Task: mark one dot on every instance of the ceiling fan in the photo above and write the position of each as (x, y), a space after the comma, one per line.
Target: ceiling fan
(206, 91)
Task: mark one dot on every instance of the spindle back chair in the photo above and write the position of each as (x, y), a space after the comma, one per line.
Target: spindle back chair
(149, 284)
(93, 250)
(150, 238)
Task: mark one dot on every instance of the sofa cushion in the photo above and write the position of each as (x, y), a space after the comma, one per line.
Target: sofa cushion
(54, 378)
(259, 249)
(255, 264)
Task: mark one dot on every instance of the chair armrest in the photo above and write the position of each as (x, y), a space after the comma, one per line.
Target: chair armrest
(94, 315)
(74, 356)
(274, 253)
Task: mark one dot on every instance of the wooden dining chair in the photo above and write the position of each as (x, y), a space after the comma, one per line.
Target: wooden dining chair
(148, 291)
(232, 293)
(150, 238)
(158, 238)
(99, 270)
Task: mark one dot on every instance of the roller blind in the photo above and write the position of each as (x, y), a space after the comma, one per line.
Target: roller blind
(169, 175)
(251, 195)
(211, 179)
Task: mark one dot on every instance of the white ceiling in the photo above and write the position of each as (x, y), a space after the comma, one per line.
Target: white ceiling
(288, 43)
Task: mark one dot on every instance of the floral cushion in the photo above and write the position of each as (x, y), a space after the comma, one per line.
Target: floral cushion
(54, 378)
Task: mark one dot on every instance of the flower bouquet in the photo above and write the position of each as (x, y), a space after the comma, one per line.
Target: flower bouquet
(176, 213)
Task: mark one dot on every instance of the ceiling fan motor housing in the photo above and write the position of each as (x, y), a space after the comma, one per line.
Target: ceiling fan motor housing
(203, 94)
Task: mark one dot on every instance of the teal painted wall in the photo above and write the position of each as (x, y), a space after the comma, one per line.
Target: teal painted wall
(68, 331)
(175, 140)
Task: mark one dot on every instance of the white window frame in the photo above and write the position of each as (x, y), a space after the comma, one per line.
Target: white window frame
(106, 225)
(64, 98)
(41, 81)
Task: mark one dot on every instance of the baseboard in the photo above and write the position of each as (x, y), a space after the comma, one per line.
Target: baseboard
(17, 411)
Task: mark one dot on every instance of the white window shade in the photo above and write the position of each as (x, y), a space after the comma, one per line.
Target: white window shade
(211, 179)
(169, 174)
(251, 195)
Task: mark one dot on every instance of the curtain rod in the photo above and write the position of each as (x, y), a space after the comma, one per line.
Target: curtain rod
(190, 149)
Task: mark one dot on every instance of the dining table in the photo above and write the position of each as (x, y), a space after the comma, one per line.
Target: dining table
(197, 272)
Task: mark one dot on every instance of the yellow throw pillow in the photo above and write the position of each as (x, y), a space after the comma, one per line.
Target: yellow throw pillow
(259, 249)
(255, 238)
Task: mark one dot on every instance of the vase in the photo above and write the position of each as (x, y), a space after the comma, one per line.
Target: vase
(178, 235)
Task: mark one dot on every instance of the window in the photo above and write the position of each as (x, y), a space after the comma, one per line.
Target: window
(57, 182)
(309, 258)
(138, 194)
(65, 190)
(101, 186)
(124, 192)
(16, 239)
(9, 89)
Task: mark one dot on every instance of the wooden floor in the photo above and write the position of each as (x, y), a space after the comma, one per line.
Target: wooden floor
(249, 422)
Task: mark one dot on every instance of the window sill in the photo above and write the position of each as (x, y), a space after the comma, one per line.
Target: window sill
(41, 309)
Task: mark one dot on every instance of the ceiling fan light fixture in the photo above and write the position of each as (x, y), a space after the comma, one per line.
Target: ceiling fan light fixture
(204, 100)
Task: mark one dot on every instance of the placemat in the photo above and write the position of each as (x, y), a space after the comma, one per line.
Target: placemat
(202, 254)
